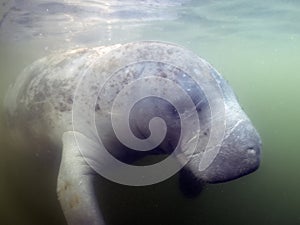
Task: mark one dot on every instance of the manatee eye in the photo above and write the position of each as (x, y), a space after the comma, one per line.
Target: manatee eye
(173, 112)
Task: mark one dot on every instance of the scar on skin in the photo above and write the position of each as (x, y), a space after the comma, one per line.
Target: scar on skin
(74, 201)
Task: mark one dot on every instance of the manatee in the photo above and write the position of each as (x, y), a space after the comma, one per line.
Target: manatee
(105, 109)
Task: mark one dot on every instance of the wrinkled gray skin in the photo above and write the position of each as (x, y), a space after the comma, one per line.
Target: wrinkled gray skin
(39, 108)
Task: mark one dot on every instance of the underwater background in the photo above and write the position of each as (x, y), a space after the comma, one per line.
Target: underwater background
(255, 45)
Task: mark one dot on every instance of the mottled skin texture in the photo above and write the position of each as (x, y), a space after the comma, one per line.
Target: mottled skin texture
(39, 108)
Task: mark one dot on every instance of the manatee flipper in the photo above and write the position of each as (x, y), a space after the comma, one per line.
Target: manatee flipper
(75, 185)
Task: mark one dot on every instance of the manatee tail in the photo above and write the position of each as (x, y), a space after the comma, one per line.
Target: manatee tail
(75, 185)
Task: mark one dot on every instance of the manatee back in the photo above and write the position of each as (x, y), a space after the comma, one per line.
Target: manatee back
(39, 103)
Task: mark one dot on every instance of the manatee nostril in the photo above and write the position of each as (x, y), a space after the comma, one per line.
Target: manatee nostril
(253, 154)
(253, 148)
(251, 151)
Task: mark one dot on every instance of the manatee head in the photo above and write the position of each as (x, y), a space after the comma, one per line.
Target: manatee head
(228, 146)
(225, 147)
(237, 152)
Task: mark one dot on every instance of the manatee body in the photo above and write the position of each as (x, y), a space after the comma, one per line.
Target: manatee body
(65, 100)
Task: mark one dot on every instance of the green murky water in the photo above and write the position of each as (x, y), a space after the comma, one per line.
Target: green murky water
(254, 44)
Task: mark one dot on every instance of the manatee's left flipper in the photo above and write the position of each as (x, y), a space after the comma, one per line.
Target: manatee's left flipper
(189, 184)
(75, 185)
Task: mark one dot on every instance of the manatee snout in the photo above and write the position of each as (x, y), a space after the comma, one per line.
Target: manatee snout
(239, 154)
(238, 150)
